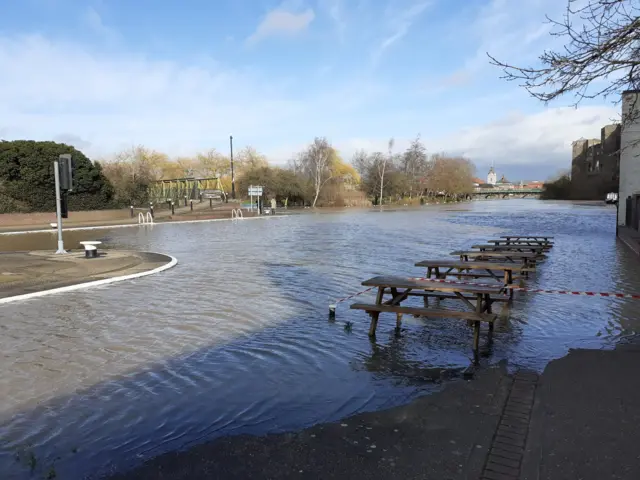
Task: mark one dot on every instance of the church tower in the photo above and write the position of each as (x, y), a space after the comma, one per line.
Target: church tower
(492, 178)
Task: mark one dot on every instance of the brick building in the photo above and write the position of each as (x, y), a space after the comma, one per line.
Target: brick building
(629, 203)
(595, 165)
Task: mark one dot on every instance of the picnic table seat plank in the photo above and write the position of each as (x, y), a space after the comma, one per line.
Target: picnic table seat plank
(425, 312)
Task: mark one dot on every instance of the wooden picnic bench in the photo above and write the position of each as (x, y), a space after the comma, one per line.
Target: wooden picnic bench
(456, 268)
(546, 246)
(539, 249)
(528, 259)
(401, 288)
(542, 239)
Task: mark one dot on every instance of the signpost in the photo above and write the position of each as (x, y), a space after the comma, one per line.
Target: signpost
(254, 190)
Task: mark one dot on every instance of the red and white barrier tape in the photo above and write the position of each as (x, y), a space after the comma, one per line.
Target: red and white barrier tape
(340, 300)
(512, 287)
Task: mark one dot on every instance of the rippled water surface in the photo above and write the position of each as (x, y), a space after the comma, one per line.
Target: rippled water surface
(236, 338)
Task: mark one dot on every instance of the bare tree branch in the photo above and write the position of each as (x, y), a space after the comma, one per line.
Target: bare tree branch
(600, 57)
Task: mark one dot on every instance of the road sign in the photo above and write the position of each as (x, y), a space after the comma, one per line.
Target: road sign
(213, 194)
(255, 191)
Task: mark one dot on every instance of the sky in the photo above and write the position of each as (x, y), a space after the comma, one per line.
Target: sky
(181, 77)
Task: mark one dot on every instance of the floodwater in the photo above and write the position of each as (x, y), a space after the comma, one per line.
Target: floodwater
(236, 338)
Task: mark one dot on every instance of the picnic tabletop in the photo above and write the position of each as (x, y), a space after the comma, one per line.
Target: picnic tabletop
(510, 247)
(390, 281)
(504, 241)
(478, 253)
(447, 263)
(527, 237)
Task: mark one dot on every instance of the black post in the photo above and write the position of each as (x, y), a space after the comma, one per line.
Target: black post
(200, 198)
(131, 211)
(211, 203)
(233, 178)
(185, 200)
(173, 208)
(191, 203)
(151, 210)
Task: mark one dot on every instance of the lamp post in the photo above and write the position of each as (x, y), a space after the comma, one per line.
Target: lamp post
(233, 178)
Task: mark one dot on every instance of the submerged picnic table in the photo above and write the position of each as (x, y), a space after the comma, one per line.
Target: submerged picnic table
(443, 268)
(476, 297)
(541, 239)
(545, 245)
(539, 249)
(528, 259)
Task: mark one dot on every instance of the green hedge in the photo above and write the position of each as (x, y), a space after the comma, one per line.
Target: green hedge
(27, 180)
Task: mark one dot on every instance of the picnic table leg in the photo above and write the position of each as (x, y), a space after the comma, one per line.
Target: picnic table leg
(375, 315)
(487, 303)
(428, 272)
(476, 337)
(398, 322)
(508, 280)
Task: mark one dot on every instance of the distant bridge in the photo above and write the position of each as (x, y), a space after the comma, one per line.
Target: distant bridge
(505, 193)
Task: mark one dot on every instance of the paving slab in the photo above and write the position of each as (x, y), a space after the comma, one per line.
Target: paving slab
(585, 421)
(446, 435)
(28, 272)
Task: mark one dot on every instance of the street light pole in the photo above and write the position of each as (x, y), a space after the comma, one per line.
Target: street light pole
(56, 174)
(233, 178)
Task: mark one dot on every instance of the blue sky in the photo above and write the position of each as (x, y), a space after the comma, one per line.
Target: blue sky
(180, 77)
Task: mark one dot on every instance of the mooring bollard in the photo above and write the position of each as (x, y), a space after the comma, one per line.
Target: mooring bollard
(173, 208)
(185, 200)
(191, 204)
(131, 211)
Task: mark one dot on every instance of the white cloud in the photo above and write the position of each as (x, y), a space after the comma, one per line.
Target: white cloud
(400, 23)
(124, 100)
(281, 22)
(542, 138)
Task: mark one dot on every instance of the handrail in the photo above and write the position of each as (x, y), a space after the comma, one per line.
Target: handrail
(145, 220)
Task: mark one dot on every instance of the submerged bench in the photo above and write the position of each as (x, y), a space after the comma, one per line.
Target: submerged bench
(401, 288)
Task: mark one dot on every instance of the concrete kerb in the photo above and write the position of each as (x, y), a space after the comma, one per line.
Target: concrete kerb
(130, 225)
(95, 283)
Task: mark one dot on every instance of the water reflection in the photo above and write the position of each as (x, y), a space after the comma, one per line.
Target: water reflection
(235, 339)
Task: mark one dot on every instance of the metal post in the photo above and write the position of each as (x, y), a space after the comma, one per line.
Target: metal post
(251, 197)
(56, 174)
(233, 177)
(173, 210)
(191, 204)
(131, 211)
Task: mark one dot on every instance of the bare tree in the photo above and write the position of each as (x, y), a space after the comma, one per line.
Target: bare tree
(415, 166)
(316, 162)
(600, 57)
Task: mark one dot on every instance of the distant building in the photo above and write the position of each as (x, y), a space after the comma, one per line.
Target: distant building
(629, 186)
(492, 177)
(504, 184)
(595, 165)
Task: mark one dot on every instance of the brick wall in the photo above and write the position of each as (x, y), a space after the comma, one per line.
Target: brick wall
(595, 165)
